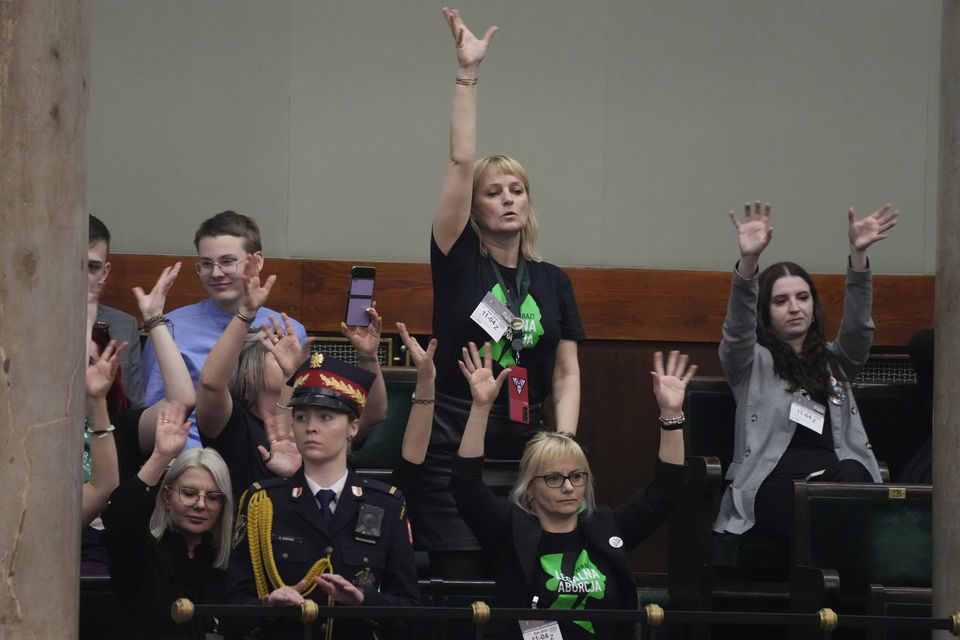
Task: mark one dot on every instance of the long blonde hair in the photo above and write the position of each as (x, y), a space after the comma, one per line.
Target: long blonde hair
(508, 166)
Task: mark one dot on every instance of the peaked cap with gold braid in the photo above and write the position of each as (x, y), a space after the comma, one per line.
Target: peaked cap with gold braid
(322, 381)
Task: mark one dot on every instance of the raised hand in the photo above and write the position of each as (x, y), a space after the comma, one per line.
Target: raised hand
(470, 49)
(479, 373)
(102, 370)
(366, 340)
(872, 228)
(151, 304)
(172, 429)
(754, 231)
(283, 458)
(254, 294)
(422, 358)
(339, 588)
(283, 342)
(670, 381)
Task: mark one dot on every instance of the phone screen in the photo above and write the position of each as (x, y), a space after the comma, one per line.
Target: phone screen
(359, 300)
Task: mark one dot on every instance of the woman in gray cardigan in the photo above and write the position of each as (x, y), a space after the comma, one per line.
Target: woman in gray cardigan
(796, 416)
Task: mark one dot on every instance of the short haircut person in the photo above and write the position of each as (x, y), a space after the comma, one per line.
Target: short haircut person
(98, 231)
(247, 380)
(506, 165)
(210, 460)
(230, 223)
(544, 449)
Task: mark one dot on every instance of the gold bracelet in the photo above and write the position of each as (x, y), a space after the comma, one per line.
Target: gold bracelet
(284, 406)
(466, 82)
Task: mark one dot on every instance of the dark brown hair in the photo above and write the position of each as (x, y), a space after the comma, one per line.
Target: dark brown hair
(812, 367)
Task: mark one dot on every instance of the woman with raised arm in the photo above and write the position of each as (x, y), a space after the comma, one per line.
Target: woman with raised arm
(100, 472)
(168, 533)
(490, 282)
(243, 391)
(796, 415)
(116, 448)
(416, 434)
(551, 545)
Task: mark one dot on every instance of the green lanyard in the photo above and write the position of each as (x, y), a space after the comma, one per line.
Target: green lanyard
(521, 287)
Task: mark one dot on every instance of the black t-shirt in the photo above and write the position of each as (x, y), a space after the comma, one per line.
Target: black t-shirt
(237, 445)
(460, 281)
(571, 575)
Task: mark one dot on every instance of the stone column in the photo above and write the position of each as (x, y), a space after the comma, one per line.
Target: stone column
(946, 427)
(43, 230)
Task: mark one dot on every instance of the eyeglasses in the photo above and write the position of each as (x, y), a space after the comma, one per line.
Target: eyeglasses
(189, 497)
(228, 266)
(556, 480)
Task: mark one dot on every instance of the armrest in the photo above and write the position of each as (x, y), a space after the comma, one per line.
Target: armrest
(690, 546)
(884, 471)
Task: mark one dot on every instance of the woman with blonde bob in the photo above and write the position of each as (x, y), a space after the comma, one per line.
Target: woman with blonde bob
(551, 546)
(543, 451)
(168, 533)
(484, 263)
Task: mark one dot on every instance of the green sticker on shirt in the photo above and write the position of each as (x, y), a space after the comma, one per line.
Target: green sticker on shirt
(573, 591)
(532, 328)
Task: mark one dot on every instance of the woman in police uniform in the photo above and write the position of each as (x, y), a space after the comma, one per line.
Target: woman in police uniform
(324, 533)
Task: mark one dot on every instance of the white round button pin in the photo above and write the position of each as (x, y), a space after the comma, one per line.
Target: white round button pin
(616, 542)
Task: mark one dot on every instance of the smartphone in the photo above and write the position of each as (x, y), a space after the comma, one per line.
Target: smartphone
(360, 297)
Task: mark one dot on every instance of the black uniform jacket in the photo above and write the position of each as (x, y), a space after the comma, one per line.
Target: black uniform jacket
(510, 537)
(380, 563)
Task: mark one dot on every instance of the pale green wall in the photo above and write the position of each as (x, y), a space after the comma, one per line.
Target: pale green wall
(641, 123)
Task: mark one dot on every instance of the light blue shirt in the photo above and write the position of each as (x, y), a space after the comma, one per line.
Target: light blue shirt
(195, 329)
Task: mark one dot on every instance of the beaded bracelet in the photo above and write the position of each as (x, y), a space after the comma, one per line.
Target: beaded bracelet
(672, 424)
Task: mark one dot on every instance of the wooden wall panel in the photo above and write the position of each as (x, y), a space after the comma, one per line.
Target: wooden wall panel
(403, 293)
(615, 304)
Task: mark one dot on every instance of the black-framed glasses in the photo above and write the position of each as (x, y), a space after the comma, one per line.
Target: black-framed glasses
(556, 480)
(228, 266)
(189, 497)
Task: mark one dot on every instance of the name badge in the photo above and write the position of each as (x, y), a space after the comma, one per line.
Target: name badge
(493, 316)
(540, 630)
(807, 413)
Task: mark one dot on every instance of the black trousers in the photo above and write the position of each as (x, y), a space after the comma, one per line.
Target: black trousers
(773, 507)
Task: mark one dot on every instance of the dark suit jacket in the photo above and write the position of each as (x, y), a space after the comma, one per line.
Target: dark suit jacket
(383, 568)
(510, 536)
(123, 328)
